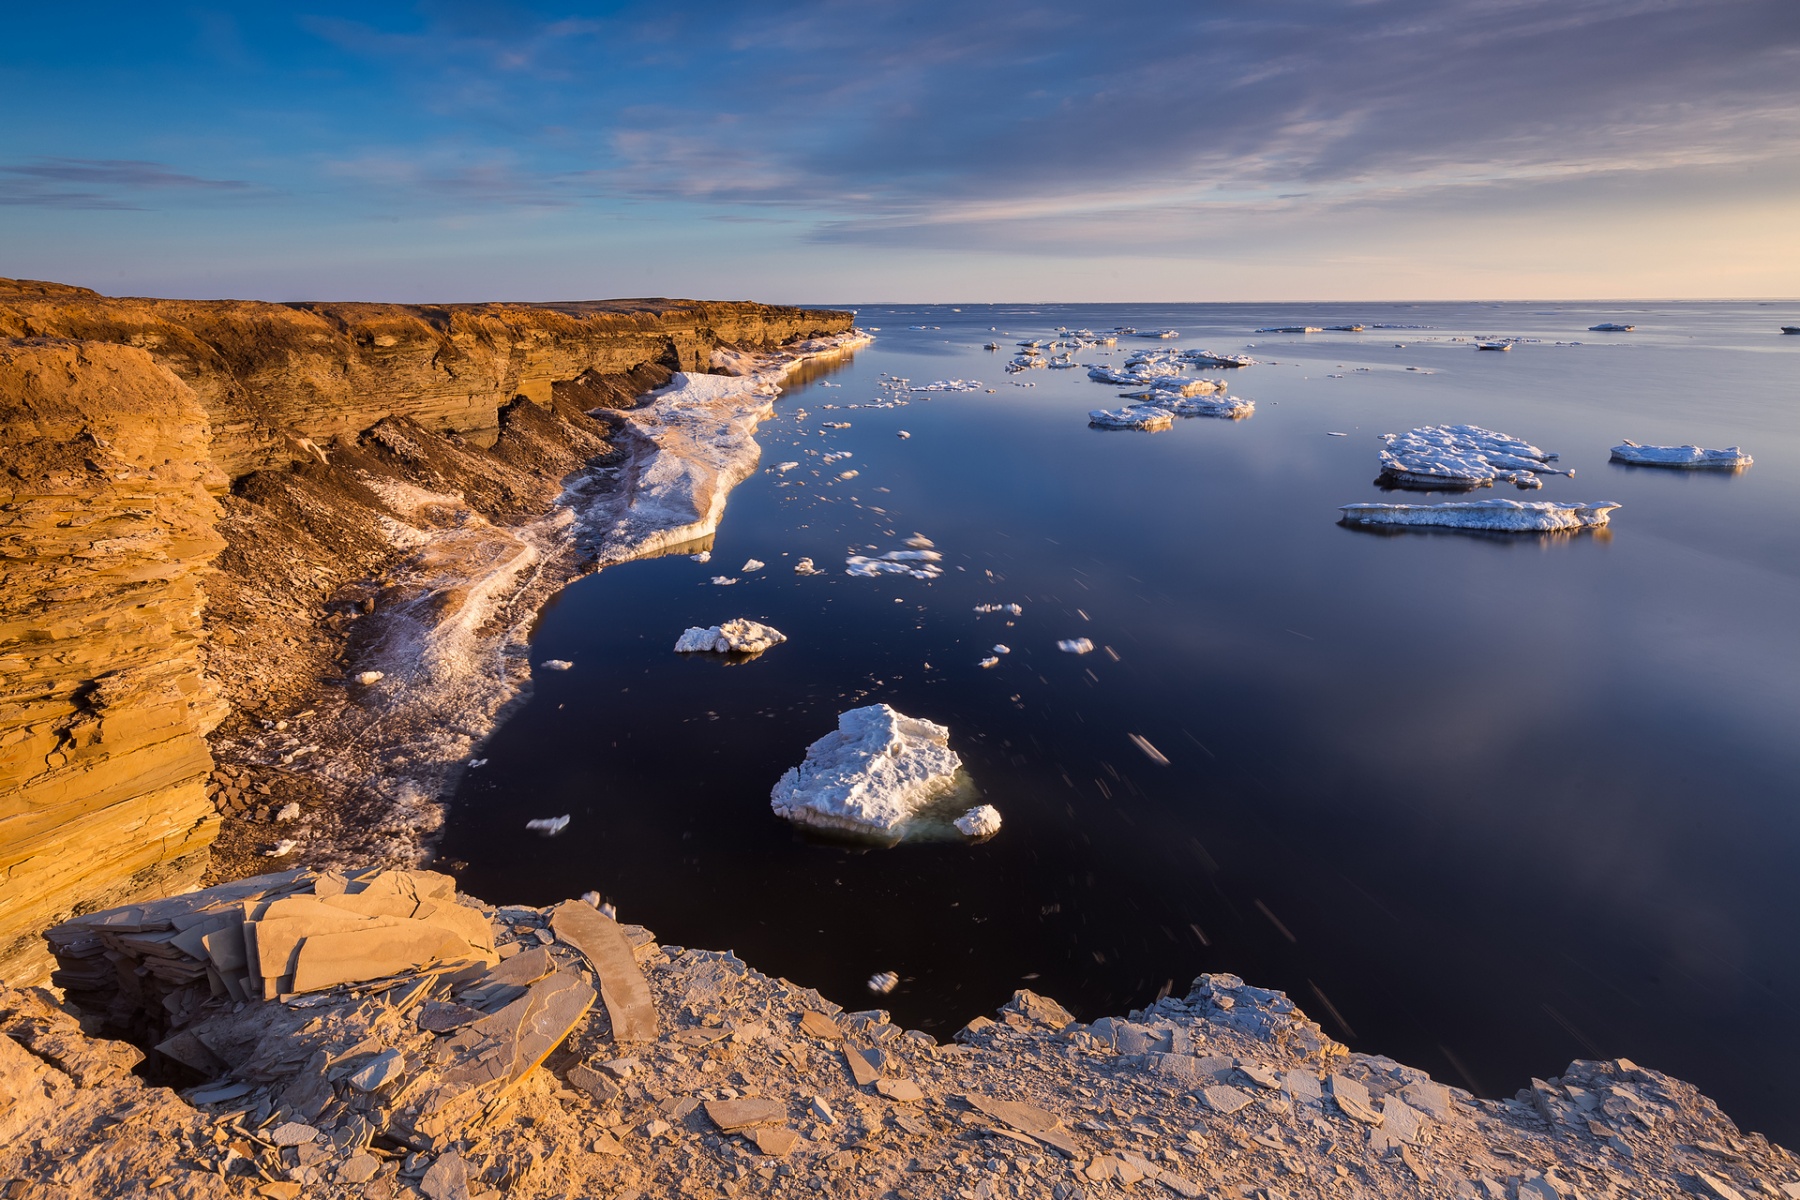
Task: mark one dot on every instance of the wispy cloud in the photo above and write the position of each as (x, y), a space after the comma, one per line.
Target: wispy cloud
(98, 182)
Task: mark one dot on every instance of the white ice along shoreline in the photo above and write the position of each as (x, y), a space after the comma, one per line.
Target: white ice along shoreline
(879, 775)
(693, 443)
(1462, 457)
(1502, 516)
(454, 651)
(740, 635)
(1691, 458)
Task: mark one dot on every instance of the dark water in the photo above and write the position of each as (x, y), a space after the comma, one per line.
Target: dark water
(1485, 804)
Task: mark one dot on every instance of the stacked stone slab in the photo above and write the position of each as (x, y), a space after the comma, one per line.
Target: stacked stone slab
(105, 527)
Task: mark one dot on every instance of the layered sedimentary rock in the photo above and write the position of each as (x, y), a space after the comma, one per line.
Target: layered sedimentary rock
(103, 711)
(275, 376)
(341, 440)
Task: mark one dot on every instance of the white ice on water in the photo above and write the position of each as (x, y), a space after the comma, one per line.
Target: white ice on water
(1461, 456)
(1012, 609)
(918, 562)
(1687, 457)
(805, 567)
(737, 636)
(979, 822)
(878, 770)
(1233, 407)
(1132, 416)
(556, 664)
(1505, 516)
(1076, 646)
(951, 385)
(548, 826)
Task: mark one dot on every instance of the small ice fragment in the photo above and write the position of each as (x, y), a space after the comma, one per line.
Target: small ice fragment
(919, 541)
(737, 636)
(1076, 646)
(785, 467)
(751, 564)
(903, 435)
(1505, 516)
(1610, 327)
(979, 822)
(368, 677)
(705, 556)
(556, 664)
(805, 567)
(289, 812)
(1335, 433)
(1683, 457)
(883, 982)
(477, 762)
(920, 564)
(591, 899)
(1150, 752)
(281, 849)
(723, 580)
(991, 660)
(999, 649)
(1013, 609)
(548, 826)
(1136, 416)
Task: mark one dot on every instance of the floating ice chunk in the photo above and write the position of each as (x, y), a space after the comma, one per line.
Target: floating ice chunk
(1688, 457)
(1493, 345)
(1208, 358)
(903, 435)
(1171, 386)
(883, 982)
(920, 564)
(548, 826)
(1002, 649)
(1335, 433)
(919, 541)
(1292, 329)
(848, 475)
(1232, 407)
(1076, 646)
(1344, 328)
(723, 580)
(1012, 609)
(281, 849)
(1506, 516)
(877, 771)
(982, 821)
(367, 678)
(784, 467)
(805, 567)
(737, 636)
(1164, 334)
(992, 660)
(1460, 456)
(751, 564)
(556, 664)
(955, 385)
(1610, 327)
(1133, 416)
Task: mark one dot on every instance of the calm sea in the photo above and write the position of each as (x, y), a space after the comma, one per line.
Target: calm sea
(1482, 803)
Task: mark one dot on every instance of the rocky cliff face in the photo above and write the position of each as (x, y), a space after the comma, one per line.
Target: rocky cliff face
(103, 710)
(125, 424)
(274, 376)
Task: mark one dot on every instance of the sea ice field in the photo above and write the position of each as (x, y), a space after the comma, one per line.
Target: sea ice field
(1483, 800)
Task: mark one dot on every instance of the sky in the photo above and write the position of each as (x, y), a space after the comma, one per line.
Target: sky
(924, 151)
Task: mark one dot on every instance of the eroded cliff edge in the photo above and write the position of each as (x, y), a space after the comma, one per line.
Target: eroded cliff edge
(210, 505)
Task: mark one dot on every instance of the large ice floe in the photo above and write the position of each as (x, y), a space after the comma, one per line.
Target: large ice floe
(1132, 416)
(1461, 457)
(918, 560)
(737, 636)
(1501, 516)
(879, 775)
(1681, 457)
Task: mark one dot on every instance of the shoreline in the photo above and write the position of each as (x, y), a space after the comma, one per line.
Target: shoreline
(450, 636)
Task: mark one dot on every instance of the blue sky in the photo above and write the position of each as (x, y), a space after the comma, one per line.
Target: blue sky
(1286, 149)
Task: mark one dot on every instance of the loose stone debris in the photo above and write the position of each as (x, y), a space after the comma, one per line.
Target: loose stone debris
(499, 1075)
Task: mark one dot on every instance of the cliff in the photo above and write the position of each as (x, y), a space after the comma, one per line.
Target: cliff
(331, 457)
(103, 710)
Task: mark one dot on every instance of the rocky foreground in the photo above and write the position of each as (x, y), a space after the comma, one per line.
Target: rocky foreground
(417, 1042)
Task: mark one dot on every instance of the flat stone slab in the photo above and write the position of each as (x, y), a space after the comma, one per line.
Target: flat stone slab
(622, 987)
(733, 1115)
(817, 1024)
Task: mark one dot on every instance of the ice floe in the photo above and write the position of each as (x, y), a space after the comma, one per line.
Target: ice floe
(877, 773)
(1001, 648)
(950, 385)
(556, 664)
(704, 556)
(1293, 329)
(920, 564)
(1207, 358)
(1076, 646)
(992, 660)
(1132, 416)
(805, 567)
(1610, 327)
(548, 826)
(1461, 456)
(1013, 609)
(1234, 407)
(883, 982)
(1682, 457)
(1493, 345)
(1504, 516)
(723, 580)
(737, 636)
(979, 822)
(751, 564)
